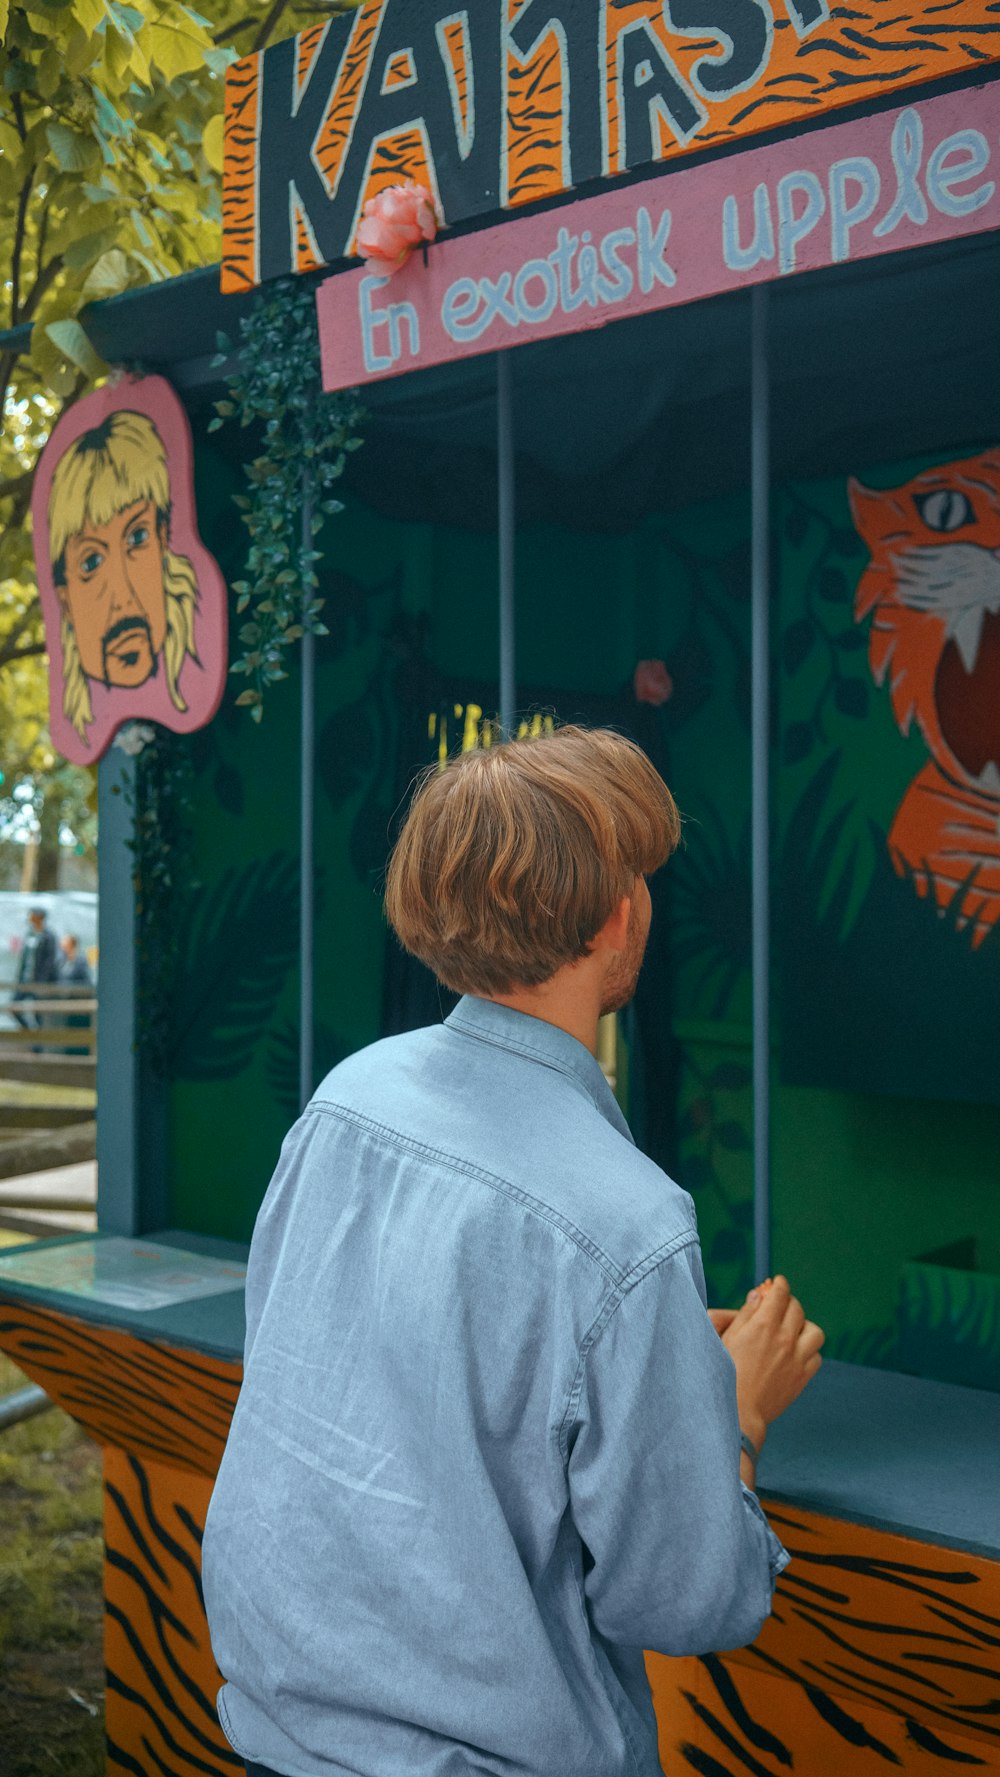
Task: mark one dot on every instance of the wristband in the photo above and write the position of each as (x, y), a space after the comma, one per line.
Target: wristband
(750, 1447)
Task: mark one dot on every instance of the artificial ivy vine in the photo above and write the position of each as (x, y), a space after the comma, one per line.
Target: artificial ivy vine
(159, 796)
(306, 438)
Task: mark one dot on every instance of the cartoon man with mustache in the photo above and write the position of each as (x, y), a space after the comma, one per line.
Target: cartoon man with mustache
(127, 602)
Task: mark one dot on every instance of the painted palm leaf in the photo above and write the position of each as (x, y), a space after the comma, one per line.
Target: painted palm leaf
(241, 940)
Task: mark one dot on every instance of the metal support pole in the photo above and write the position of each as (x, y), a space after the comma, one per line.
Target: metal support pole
(119, 1210)
(760, 747)
(24, 1403)
(505, 530)
(307, 800)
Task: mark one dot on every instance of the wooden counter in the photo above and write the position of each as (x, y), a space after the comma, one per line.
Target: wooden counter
(157, 1390)
(883, 1650)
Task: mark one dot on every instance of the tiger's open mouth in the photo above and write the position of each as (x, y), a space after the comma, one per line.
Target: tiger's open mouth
(968, 700)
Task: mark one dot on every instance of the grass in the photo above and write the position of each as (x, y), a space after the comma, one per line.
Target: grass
(51, 1603)
(18, 1092)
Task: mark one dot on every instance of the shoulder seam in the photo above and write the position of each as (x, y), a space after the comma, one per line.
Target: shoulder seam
(494, 1181)
(668, 1250)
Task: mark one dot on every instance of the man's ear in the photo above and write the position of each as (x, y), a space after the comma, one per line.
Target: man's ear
(614, 932)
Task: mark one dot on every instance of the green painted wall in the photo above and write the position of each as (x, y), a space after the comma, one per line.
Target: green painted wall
(863, 1180)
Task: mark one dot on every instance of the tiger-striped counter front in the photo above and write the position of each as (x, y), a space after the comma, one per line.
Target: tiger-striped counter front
(883, 1651)
(161, 1415)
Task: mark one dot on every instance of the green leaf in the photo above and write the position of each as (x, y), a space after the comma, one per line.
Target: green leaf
(851, 697)
(152, 271)
(111, 121)
(128, 18)
(73, 343)
(122, 54)
(796, 643)
(50, 71)
(88, 249)
(10, 141)
(233, 959)
(109, 276)
(196, 18)
(211, 142)
(176, 50)
(219, 58)
(74, 152)
(138, 222)
(798, 742)
(4, 17)
(77, 50)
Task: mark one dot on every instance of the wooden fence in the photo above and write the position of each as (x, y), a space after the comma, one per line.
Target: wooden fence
(54, 1044)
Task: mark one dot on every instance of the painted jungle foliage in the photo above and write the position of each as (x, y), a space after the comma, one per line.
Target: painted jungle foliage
(886, 938)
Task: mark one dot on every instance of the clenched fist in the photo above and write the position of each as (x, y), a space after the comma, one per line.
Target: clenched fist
(776, 1351)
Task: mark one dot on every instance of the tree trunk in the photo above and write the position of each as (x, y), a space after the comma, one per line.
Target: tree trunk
(50, 821)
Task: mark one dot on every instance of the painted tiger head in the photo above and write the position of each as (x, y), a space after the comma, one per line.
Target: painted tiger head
(933, 583)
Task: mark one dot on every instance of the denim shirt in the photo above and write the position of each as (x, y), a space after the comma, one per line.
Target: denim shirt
(486, 1449)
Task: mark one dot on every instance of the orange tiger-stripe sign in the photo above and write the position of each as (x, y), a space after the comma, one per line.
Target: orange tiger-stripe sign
(505, 102)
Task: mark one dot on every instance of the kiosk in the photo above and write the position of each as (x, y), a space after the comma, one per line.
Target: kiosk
(698, 438)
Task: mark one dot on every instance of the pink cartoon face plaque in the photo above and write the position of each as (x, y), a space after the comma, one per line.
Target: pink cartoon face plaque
(134, 604)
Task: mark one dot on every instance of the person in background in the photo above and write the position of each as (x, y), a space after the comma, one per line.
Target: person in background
(74, 967)
(490, 1444)
(38, 964)
(74, 971)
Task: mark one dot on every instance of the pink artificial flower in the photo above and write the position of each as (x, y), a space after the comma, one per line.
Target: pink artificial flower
(652, 682)
(395, 222)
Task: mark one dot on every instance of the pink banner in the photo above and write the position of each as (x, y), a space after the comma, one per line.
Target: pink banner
(899, 179)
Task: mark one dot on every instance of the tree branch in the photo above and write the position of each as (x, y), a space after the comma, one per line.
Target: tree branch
(46, 277)
(20, 496)
(233, 30)
(18, 627)
(18, 248)
(43, 226)
(30, 653)
(271, 18)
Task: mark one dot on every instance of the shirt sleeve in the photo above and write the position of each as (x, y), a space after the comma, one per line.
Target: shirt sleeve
(681, 1557)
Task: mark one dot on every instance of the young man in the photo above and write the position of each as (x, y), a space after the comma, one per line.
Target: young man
(488, 1448)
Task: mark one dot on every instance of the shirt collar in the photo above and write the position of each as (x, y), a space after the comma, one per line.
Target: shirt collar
(541, 1042)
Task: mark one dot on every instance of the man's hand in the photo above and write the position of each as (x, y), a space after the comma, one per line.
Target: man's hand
(776, 1351)
(721, 1318)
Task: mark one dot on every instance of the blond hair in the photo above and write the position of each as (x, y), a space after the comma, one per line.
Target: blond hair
(103, 472)
(512, 858)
